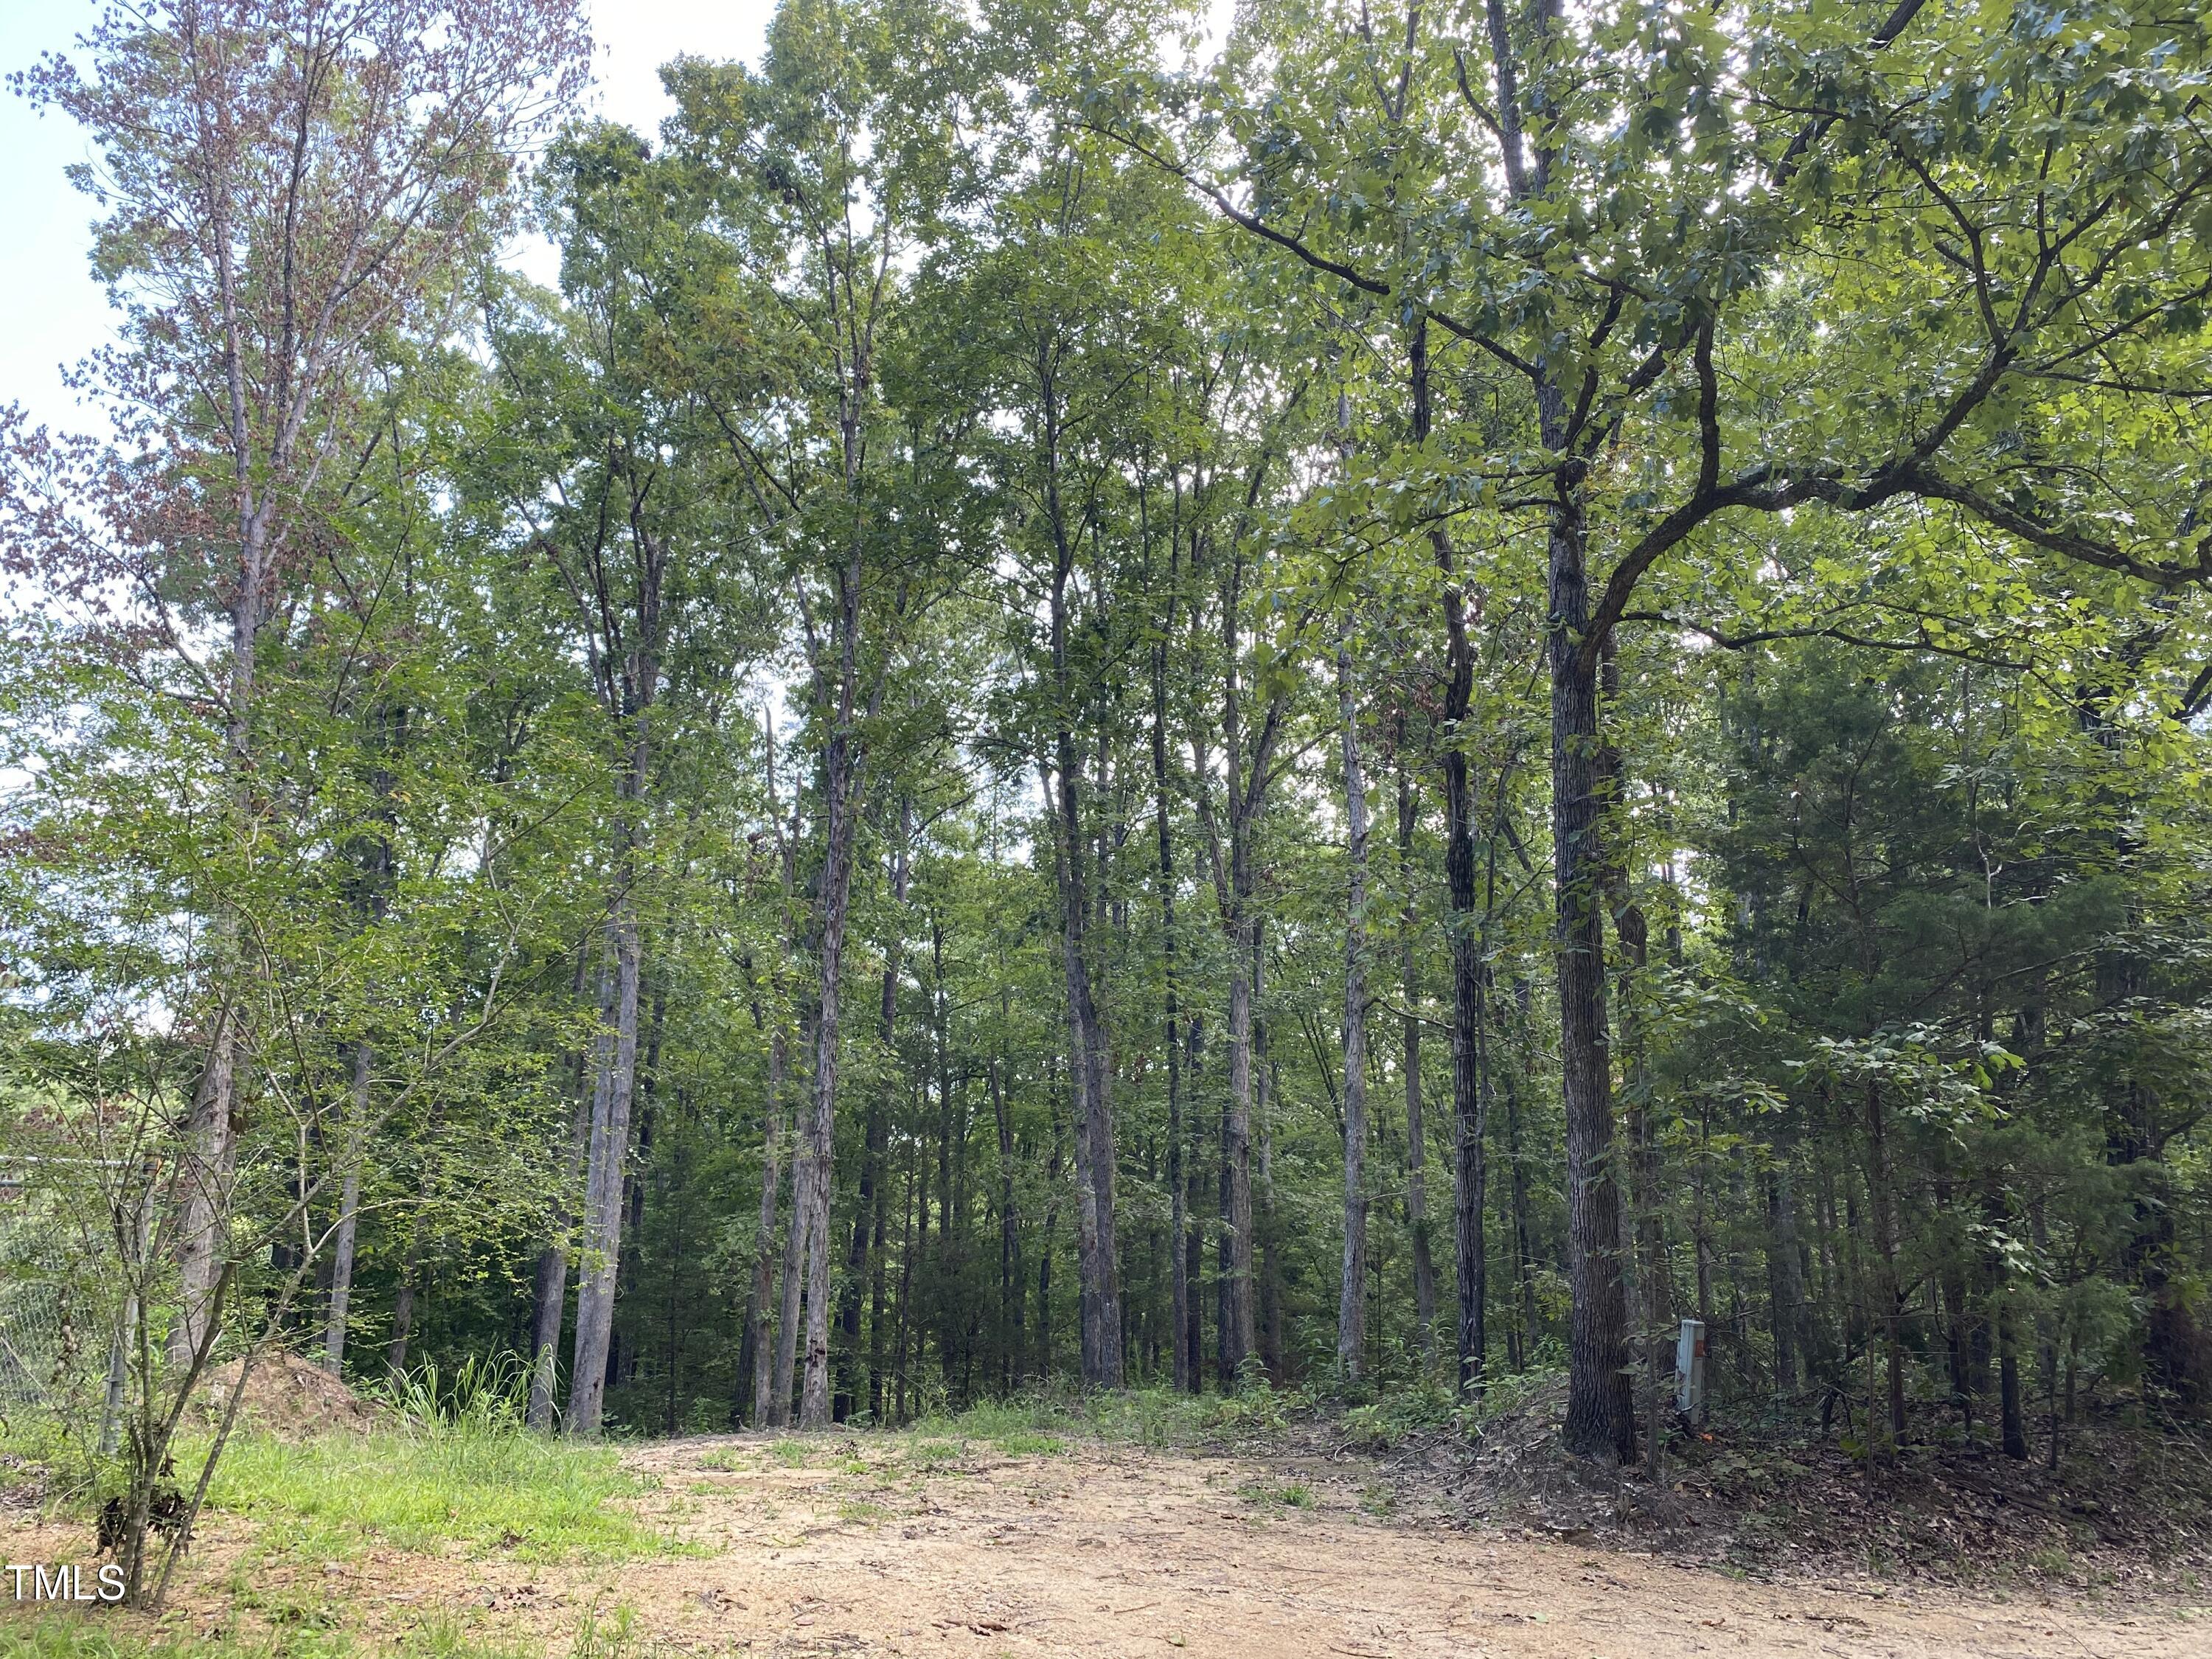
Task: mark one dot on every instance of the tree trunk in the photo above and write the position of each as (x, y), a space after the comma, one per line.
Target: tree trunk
(1184, 1361)
(1096, 1255)
(1044, 1255)
(1237, 1338)
(764, 1374)
(1351, 1289)
(874, 1142)
(549, 1304)
(402, 1316)
(342, 1244)
(1264, 1079)
(1194, 1248)
(209, 1167)
(1601, 1402)
(1013, 1293)
(1099, 1317)
(878, 1277)
(1524, 1258)
(1417, 1201)
(2012, 1417)
(1469, 1171)
(206, 1174)
(812, 1184)
(613, 1086)
(790, 1284)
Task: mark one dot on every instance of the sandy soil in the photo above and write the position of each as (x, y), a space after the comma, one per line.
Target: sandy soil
(860, 1546)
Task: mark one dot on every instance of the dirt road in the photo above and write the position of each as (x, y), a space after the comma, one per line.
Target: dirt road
(864, 1549)
(890, 1545)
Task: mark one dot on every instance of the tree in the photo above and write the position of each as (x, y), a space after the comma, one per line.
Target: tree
(1601, 270)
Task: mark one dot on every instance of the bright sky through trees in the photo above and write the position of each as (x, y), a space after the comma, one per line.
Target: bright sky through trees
(57, 313)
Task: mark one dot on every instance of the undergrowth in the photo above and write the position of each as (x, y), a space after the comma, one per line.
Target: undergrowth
(598, 1636)
(338, 1494)
(456, 1464)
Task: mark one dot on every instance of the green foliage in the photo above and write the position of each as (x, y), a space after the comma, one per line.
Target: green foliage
(484, 1399)
(1289, 1494)
(964, 404)
(487, 1486)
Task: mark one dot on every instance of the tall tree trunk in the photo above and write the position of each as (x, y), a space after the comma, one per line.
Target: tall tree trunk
(549, 1301)
(1600, 1402)
(791, 1280)
(342, 1244)
(874, 1140)
(763, 1354)
(1600, 1415)
(209, 1168)
(1013, 1293)
(1238, 1342)
(1193, 1249)
(1469, 1171)
(1524, 1257)
(1632, 931)
(1264, 1079)
(1417, 1152)
(1247, 769)
(1184, 1362)
(1351, 1289)
(612, 1090)
(878, 1278)
(841, 770)
(910, 1202)
(1053, 1167)
(622, 1352)
(206, 1173)
(1099, 1319)
(402, 1314)
(1098, 1267)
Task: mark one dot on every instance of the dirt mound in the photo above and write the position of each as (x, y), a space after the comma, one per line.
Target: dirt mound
(285, 1395)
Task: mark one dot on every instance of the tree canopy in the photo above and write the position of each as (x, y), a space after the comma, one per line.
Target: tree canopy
(1080, 709)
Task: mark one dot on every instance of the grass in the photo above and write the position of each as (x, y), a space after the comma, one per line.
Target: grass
(542, 1500)
(1042, 1422)
(598, 1636)
(1290, 1494)
(64, 1637)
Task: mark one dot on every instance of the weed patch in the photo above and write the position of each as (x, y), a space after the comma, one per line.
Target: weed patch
(540, 1499)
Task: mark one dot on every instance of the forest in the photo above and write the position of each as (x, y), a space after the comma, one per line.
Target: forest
(1372, 710)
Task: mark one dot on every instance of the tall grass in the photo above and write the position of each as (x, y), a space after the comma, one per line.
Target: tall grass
(1026, 1422)
(486, 1396)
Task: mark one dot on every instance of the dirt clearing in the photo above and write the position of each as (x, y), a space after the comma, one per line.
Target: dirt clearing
(853, 1545)
(1128, 1553)
(863, 1545)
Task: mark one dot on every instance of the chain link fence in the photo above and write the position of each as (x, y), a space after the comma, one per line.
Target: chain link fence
(53, 1338)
